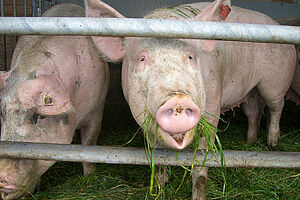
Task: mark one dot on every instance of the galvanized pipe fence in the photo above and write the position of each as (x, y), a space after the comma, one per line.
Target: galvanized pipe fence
(148, 28)
(137, 156)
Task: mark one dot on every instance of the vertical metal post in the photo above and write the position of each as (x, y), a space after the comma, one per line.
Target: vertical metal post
(25, 8)
(3, 39)
(40, 8)
(15, 7)
(15, 14)
(33, 6)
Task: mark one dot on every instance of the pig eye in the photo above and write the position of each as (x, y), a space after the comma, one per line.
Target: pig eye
(34, 119)
(141, 59)
(191, 57)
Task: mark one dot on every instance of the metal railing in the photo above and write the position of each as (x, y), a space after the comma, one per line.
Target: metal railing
(147, 28)
(150, 28)
(137, 156)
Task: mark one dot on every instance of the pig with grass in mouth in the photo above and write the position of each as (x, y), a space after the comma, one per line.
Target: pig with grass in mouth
(176, 81)
(57, 84)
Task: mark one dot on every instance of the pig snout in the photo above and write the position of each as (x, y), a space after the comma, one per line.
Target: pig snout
(178, 115)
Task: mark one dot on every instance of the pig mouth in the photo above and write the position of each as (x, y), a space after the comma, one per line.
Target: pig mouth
(177, 140)
(14, 192)
(10, 195)
(8, 192)
(7, 189)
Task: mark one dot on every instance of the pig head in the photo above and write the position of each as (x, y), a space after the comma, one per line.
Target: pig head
(57, 84)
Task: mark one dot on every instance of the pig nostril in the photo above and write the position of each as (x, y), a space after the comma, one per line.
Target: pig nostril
(188, 112)
(169, 112)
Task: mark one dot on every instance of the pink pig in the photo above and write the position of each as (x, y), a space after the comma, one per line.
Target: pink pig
(57, 84)
(294, 92)
(177, 80)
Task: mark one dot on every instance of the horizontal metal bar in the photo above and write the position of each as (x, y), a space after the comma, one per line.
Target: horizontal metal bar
(150, 28)
(137, 156)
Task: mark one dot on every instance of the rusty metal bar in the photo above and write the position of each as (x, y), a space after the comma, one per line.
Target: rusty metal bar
(137, 156)
(150, 28)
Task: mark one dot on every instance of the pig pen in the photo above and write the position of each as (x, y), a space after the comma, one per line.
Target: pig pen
(64, 180)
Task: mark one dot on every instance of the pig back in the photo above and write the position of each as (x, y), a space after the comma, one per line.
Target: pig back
(189, 11)
(64, 10)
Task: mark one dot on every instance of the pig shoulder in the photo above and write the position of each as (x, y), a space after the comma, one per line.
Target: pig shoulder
(65, 10)
(189, 11)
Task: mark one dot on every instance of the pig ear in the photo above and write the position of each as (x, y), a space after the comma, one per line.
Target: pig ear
(47, 95)
(110, 47)
(217, 11)
(3, 77)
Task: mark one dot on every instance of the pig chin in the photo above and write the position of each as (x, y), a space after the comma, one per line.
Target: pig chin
(177, 141)
(18, 192)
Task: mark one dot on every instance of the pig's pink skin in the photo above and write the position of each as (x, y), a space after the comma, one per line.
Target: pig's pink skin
(256, 104)
(219, 75)
(179, 114)
(253, 109)
(72, 72)
(216, 75)
(294, 93)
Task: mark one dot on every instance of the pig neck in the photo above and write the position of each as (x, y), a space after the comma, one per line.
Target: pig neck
(223, 71)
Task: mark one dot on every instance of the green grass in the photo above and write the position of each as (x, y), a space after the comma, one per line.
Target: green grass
(65, 181)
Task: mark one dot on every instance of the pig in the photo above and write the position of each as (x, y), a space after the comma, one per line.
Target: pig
(57, 84)
(177, 80)
(294, 92)
(255, 105)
